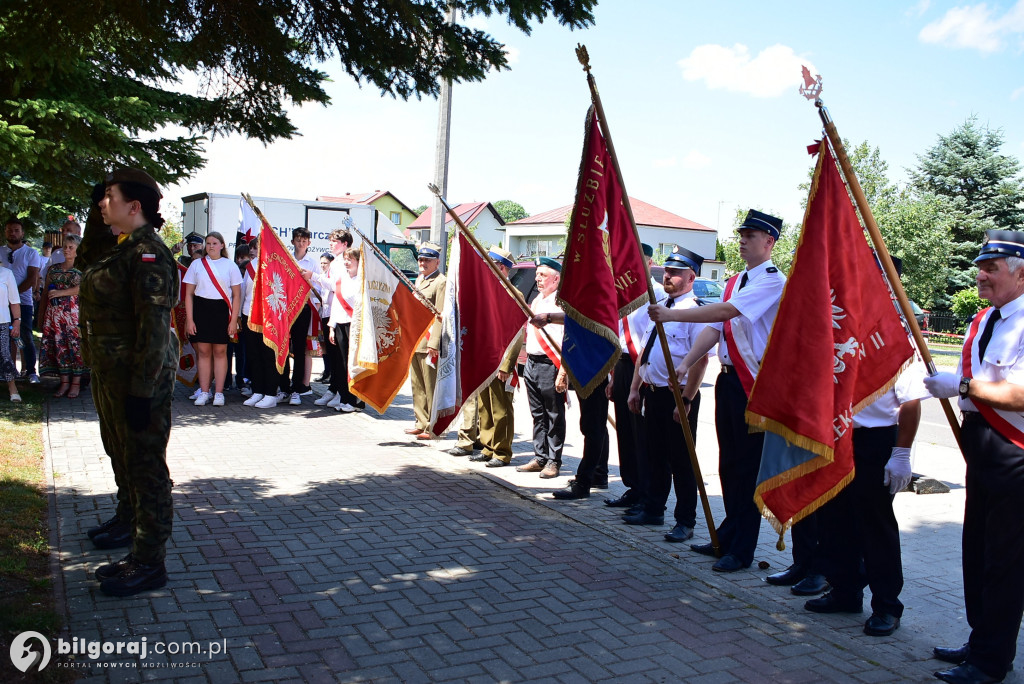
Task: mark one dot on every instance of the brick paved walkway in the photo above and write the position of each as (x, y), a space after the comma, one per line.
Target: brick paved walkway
(316, 546)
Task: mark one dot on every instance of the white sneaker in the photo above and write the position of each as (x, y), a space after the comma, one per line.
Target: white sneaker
(282, 396)
(323, 401)
(33, 379)
(296, 399)
(346, 408)
(266, 402)
(335, 402)
(195, 395)
(16, 398)
(218, 399)
(203, 399)
(253, 400)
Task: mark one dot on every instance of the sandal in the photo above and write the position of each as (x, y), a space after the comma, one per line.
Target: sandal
(75, 387)
(16, 398)
(63, 390)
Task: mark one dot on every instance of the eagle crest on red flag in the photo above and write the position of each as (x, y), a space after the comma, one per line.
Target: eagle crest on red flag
(838, 344)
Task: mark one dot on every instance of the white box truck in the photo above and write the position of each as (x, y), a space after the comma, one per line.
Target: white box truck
(213, 212)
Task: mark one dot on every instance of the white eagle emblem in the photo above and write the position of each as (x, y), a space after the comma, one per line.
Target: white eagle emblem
(275, 298)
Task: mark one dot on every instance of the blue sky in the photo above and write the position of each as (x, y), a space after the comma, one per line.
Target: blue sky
(701, 100)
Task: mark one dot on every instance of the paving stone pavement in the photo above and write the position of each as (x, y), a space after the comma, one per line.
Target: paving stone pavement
(311, 545)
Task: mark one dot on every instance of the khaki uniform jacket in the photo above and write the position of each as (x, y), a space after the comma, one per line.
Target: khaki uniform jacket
(432, 288)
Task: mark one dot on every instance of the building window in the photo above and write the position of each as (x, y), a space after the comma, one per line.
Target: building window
(540, 247)
(396, 218)
(714, 274)
(666, 248)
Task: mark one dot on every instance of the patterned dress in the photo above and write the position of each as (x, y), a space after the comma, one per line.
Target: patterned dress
(62, 341)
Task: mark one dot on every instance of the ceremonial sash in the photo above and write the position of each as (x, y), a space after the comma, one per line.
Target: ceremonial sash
(216, 283)
(1009, 425)
(340, 298)
(546, 347)
(741, 353)
(634, 353)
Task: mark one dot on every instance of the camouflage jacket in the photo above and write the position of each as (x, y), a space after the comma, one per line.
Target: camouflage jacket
(125, 302)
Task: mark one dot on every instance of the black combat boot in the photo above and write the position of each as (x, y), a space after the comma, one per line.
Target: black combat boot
(135, 578)
(115, 536)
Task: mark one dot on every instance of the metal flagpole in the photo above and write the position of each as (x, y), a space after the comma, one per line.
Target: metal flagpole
(584, 58)
(812, 91)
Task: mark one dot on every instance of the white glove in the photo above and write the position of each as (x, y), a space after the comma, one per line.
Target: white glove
(897, 470)
(943, 385)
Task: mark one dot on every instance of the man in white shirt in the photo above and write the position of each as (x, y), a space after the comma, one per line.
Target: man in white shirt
(24, 262)
(666, 450)
(300, 328)
(740, 325)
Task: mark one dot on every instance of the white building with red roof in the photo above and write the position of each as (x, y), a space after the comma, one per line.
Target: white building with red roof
(544, 235)
(397, 211)
(489, 226)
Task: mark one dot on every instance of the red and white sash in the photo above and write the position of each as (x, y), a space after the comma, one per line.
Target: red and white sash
(741, 351)
(1010, 425)
(216, 283)
(631, 337)
(546, 346)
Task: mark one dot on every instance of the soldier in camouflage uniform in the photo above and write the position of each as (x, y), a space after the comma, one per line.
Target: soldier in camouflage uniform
(129, 286)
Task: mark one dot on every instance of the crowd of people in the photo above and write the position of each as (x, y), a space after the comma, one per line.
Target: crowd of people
(126, 283)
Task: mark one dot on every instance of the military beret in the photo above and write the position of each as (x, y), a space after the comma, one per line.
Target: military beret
(647, 249)
(549, 262)
(137, 176)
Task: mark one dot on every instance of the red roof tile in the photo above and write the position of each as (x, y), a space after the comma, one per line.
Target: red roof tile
(468, 212)
(645, 215)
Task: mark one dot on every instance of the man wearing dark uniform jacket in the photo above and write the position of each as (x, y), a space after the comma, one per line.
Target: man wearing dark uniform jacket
(990, 383)
(740, 325)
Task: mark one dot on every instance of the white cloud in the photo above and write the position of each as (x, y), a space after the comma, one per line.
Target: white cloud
(919, 9)
(695, 160)
(666, 163)
(774, 71)
(975, 26)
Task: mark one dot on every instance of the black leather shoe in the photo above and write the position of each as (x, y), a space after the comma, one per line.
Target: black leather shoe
(600, 484)
(114, 569)
(830, 603)
(788, 577)
(729, 563)
(954, 655)
(103, 527)
(812, 585)
(966, 673)
(496, 463)
(116, 537)
(635, 509)
(135, 578)
(624, 501)
(679, 534)
(881, 624)
(573, 491)
(458, 451)
(479, 458)
(643, 518)
(703, 549)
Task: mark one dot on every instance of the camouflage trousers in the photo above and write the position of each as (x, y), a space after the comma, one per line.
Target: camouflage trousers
(139, 460)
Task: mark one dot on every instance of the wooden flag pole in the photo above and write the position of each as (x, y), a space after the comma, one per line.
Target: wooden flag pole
(584, 58)
(397, 272)
(509, 287)
(265, 222)
(883, 253)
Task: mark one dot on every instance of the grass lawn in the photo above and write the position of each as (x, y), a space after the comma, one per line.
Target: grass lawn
(26, 590)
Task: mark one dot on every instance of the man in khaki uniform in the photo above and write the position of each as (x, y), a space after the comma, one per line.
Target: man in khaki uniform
(431, 284)
(494, 404)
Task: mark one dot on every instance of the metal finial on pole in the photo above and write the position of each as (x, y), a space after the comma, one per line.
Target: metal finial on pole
(583, 56)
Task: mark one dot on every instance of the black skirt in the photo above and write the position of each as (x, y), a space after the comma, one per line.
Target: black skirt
(211, 317)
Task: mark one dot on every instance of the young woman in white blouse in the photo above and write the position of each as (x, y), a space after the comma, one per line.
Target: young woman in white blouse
(213, 299)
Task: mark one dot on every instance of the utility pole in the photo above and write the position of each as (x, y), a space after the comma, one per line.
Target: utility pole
(438, 235)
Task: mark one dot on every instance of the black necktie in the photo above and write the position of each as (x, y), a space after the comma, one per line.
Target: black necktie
(654, 336)
(743, 280)
(986, 334)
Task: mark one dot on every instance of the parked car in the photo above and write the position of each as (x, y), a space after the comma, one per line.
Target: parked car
(707, 291)
(920, 314)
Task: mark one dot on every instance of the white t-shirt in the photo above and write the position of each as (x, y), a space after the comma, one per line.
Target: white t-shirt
(8, 294)
(247, 285)
(20, 261)
(224, 269)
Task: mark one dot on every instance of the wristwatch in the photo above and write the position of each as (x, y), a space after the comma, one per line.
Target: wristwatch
(965, 387)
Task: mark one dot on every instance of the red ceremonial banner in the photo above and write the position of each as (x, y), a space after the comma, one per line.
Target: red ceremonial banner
(278, 294)
(603, 274)
(837, 345)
